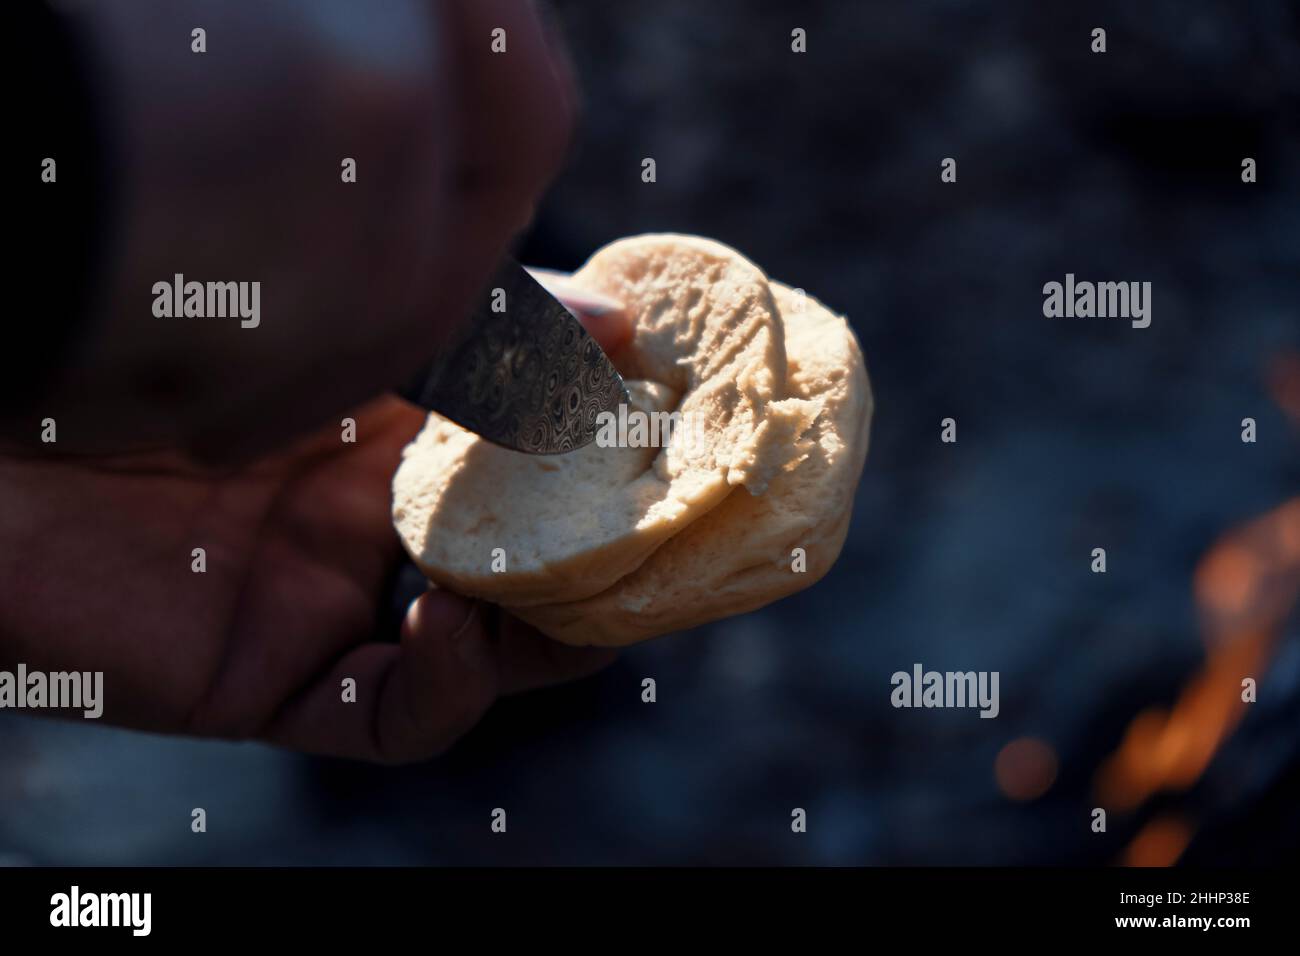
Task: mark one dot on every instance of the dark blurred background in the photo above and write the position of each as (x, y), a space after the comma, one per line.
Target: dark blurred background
(1119, 690)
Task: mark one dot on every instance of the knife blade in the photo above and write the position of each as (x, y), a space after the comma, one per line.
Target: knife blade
(521, 371)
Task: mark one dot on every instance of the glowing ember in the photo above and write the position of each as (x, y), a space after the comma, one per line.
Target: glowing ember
(1025, 768)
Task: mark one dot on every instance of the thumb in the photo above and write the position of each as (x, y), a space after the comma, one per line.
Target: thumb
(413, 700)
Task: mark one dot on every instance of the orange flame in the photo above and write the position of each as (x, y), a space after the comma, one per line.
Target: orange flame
(1245, 587)
(1160, 843)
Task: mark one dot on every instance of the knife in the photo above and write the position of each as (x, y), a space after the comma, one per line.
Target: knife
(521, 371)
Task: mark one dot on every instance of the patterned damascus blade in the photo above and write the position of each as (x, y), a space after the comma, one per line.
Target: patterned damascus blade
(521, 371)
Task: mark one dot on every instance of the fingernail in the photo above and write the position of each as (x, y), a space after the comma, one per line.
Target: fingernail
(595, 304)
(471, 642)
(441, 616)
(587, 301)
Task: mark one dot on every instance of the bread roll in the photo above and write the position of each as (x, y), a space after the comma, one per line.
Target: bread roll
(611, 545)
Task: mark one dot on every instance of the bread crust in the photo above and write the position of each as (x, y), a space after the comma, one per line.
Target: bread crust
(614, 545)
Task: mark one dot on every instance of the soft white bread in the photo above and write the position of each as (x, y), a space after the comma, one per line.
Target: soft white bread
(740, 555)
(613, 545)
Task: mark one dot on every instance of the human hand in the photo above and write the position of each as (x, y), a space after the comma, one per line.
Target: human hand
(231, 170)
(95, 575)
